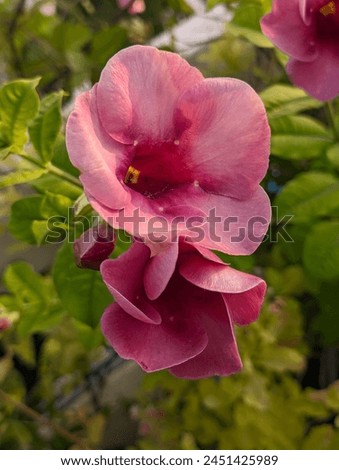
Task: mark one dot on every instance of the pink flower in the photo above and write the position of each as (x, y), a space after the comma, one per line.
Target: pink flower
(308, 31)
(138, 6)
(94, 246)
(5, 323)
(156, 139)
(176, 310)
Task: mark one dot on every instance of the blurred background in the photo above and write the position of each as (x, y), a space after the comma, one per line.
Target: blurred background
(61, 387)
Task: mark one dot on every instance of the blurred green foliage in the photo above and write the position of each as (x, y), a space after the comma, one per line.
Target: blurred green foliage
(264, 407)
(287, 396)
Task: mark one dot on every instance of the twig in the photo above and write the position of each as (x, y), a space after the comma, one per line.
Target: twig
(26, 410)
(54, 170)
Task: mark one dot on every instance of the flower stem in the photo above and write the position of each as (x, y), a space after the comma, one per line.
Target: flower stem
(30, 413)
(54, 170)
(331, 118)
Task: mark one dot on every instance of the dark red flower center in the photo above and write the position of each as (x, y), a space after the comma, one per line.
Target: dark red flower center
(157, 168)
(327, 21)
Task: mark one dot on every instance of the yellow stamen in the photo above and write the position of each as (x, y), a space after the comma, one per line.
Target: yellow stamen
(328, 9)
(132, 175)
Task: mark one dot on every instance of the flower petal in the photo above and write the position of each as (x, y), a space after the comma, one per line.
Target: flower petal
(159, 270)
(154, 347)
(244, 308)
(129, 294)
(235, 227)
(221, 356)
(138, 6)
(216, 277)
(319, 78)
(94, 153)
(225, 136)
(287, 26)
(137, 92)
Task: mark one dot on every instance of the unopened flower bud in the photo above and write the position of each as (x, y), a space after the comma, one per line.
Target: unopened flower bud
(94, 246)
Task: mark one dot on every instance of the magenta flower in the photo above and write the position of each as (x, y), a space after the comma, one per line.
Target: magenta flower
(134, 7)
(94, 246)
(308, 31)
(154, 139)
(5, 323)
(176, 311)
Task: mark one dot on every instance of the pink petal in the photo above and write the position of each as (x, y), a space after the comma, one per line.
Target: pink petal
(287, 26)
(216, 277)
(194, 248)
(159, 270)
(138, 6)
(123, 3)
(137, 93)
(94, 153)
(319, 78)
(152, 218)
(123, 277)
(163, 262)
(154, 347)
(243, 293)
(221, 356)
(235, 227)
(244, 308)
(225, 137)
(5, 323)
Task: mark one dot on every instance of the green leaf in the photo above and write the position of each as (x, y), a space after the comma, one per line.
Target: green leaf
(281, 359)
(246, 23)
(40, 231)
(35, 298)
(283, 100)
(55, 205)
(37, 220)
(19, 104)
(82, 292)
(61, 158)
(46, 126)
(181, 5)
(20, 177)
(321, 251)
(89, 337)
(298, 137)
(106, 43)
(5, 150)
(53, 185)
(309, 196)
(243, 263)
(326, 322)
(333, 155)
(323, 437)
(212, 3)
(332, 399)
(23, 213)
(70, 37)
(289, 281)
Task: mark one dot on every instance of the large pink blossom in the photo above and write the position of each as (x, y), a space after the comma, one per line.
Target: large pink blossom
(176, 310)
(308, 31)
(154, 136)
(134, 7)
